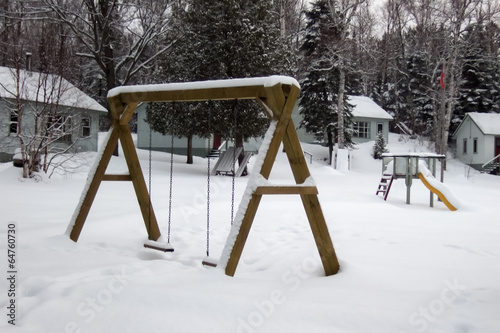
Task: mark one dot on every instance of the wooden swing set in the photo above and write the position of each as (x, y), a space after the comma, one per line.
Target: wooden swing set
(277, 95)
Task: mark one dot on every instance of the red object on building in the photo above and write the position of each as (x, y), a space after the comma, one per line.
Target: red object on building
(442, 78)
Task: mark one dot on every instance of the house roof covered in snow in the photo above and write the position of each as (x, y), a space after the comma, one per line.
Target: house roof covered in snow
(366, 107)
(45, 88)
(488, 123)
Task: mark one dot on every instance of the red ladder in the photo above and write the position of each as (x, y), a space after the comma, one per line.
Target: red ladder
(385, 185)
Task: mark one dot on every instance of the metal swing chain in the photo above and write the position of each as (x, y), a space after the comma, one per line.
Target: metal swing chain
(234, 167)
(232, 187)
(150, 173)
(208, 188)
(171, 181)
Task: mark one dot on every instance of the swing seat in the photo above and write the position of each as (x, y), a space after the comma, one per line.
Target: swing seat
(159, 246)
(209, 262)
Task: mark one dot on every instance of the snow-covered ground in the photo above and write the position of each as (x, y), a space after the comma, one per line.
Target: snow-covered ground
(404, 268)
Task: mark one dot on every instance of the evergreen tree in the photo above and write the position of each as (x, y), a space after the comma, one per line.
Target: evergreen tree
(379, 146)
(320, 82)
(224, 40)
(480, 83)
(420, 95)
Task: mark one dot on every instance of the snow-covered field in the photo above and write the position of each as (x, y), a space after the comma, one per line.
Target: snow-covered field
(404, 268)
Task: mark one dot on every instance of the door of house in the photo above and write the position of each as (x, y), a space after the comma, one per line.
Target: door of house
(497, 146)
(217, 141)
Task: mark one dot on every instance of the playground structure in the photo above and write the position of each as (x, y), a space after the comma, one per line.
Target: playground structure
(411, 166)
(277, 95)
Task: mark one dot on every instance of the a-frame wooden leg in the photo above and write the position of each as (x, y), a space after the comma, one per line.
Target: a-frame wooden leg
(94, 180)
(120, 130)
(267, 164)
(140, 187)
(321, 234)
(311, 203)
(285, 132)
(242, 236)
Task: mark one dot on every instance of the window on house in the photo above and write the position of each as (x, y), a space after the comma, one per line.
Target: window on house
(474, 146)
(465, 147)
(60, 127)
(380, 127)
(85, 127)
(361, 129)
(13, 127)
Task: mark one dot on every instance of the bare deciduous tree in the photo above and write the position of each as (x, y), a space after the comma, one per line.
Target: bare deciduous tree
(122, 38)
(343, 14)
(457, 15)
(44, 127)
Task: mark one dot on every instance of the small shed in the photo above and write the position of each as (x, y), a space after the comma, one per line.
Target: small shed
(478, 140)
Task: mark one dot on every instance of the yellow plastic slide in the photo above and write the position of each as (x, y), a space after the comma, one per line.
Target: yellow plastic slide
(431, 183)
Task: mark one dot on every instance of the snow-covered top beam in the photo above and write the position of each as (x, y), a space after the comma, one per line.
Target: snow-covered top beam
(247, 88)
(414, 154)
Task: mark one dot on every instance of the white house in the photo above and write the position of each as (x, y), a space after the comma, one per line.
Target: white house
(368, 120)
(478, 139)
(45, 99)
(161, 142)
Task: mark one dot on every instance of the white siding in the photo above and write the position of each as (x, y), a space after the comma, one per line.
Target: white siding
(163, 142)
(486, 143)
(373, 124)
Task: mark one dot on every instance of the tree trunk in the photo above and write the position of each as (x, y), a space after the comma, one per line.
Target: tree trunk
(190, 149)
(24, 157)
(439, 123)
(330, 146)
(449, 108)
(450, 87)
(340, 126)
(282, 19)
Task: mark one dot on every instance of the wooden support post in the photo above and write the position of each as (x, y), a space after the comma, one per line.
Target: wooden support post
(237, 248)
(432, 167)
(84, 206)
(408, 180)
(321, 234)
(242, 236)
(140, 187)
(311, 203)
(285, 132)
(286, 190)
(120, 130)
(116, 178)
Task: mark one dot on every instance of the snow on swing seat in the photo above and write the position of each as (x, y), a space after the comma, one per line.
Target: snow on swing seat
(211, 262)
(160, 245)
